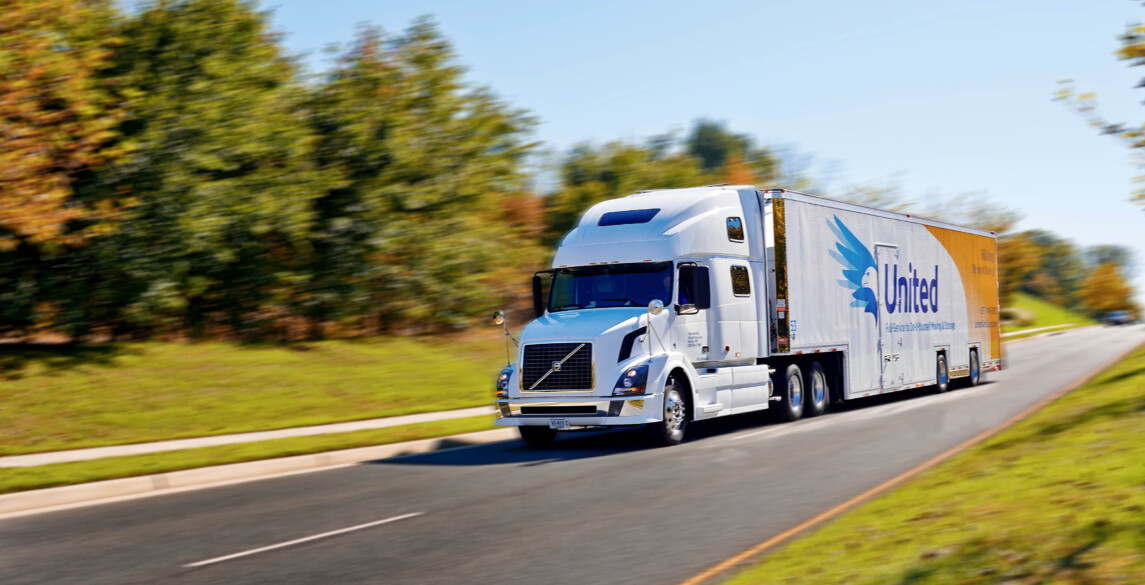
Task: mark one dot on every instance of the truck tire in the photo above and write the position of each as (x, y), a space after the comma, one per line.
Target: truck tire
(942, 374)
(790, 405)
(818, 394)
(537, 436)
(670, 430)
(975, 377)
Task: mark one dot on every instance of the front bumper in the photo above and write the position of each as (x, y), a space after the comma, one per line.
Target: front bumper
(589, 411)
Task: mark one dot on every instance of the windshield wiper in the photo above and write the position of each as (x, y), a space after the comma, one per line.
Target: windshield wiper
(567, 307)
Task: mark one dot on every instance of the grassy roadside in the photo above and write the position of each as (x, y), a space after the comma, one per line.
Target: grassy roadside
(87, 396)
(59, 474)
(1058, 498)
(1042, 314)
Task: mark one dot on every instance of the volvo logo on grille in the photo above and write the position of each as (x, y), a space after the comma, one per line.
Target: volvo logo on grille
(556, 366)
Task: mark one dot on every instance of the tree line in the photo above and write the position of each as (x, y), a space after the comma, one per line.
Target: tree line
(171, 171)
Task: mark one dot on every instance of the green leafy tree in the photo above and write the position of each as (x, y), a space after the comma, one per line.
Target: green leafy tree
(221, 167)
(416, 222)
(591, 174)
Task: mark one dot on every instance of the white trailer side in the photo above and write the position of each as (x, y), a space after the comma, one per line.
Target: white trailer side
(890, 292)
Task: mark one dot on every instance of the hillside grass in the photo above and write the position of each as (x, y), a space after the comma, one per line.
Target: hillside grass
(1058, 498)
(69, 397)
(1042, 313)
(61, 474)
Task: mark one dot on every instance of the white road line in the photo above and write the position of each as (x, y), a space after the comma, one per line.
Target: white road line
(302, 540)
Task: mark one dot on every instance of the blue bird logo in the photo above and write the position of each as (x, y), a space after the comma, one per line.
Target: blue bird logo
(859, 268)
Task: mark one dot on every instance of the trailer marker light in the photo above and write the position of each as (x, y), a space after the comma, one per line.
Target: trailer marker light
(818, 350)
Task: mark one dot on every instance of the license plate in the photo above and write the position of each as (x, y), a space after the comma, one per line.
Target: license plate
(558, 423)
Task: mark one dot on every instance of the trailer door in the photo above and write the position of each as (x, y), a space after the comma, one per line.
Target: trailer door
(890, 341)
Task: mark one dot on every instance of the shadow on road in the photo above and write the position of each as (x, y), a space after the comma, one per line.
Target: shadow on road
(586, 444)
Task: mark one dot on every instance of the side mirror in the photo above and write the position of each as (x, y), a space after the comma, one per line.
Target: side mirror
(656, 307)
(499, 318)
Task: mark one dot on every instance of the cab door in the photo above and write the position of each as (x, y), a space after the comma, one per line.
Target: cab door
(692, 305)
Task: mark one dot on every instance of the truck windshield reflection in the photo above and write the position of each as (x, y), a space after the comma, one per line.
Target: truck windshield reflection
(613, 285)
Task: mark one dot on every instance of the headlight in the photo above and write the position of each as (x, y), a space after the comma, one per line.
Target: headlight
(503, 382)
(632, 381)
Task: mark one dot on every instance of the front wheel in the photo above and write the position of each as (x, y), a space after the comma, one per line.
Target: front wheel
(670, 430)
(538, 436)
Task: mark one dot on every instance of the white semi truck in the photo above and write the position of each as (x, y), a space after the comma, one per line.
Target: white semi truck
(671, 306)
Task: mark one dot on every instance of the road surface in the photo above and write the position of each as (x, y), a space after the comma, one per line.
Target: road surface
(598, 507)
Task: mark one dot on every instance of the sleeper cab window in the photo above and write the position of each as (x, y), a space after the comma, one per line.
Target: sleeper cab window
(741, 286)
(735, 229)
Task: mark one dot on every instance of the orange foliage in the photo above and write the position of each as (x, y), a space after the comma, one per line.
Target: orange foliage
(53, 119)
(737, 172)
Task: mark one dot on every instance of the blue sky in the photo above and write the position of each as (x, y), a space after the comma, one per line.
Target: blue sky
(950, 97)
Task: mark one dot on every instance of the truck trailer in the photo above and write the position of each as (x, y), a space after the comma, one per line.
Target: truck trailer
(671, 306)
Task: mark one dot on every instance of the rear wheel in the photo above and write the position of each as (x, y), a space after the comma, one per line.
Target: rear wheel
(790, 405)
(975, 377)
(818, 394)
(670, 430)
(538, 436)
(942, 374)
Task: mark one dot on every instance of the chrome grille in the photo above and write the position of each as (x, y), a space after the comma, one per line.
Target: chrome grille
(575, 371)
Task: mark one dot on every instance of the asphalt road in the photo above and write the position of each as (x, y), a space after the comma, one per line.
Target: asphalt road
(598, 507)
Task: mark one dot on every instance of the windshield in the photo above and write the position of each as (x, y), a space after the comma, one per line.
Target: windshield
(614, 285)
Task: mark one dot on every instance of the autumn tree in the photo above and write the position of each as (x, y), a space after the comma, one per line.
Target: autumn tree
(55, 118)
(1105, 290)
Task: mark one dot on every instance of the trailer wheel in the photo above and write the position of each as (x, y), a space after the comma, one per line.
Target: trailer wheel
(942, 374)
(670, 430)
(975, 369)
(537, 436)
(791, 396)
(818, 394)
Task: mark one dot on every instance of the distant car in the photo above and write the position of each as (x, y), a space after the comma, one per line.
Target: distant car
(1118, 318)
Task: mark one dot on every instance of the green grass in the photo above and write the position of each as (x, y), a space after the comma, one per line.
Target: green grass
(57, 398)
(1058, 498)
(59, 474)
(1041, 313)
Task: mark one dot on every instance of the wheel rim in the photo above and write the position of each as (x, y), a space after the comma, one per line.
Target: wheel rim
(818, 389)
(674, 411)
(795, 391)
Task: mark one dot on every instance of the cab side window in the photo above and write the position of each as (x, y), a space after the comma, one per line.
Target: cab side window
(694, 291)
(741, 284)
